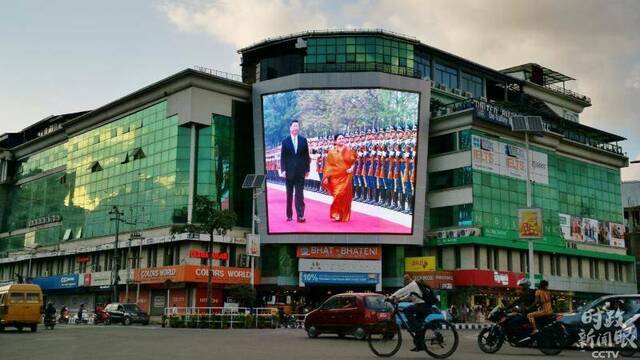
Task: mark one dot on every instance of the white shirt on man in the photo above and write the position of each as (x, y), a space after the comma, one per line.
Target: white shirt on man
(406, 293)
(294, 140)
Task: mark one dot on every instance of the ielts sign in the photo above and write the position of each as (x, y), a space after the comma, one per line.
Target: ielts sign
(198, 254)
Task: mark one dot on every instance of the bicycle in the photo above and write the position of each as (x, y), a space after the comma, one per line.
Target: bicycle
(440, 340)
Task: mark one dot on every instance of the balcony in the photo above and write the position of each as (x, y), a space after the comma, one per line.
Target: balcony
(569, 93)
(501, 115)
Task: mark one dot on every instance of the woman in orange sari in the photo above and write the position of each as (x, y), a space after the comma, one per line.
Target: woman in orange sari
(338, 179)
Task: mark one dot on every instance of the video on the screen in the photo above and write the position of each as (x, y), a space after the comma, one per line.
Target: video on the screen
(340, 161)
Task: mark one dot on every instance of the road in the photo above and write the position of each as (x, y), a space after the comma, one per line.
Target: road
(155, 343)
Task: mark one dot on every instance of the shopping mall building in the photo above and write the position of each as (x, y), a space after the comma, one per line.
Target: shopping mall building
(452, 218)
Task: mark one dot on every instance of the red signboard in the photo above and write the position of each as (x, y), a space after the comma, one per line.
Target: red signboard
(486, 278)
(87, 279)
(339, 252)
(216, 297)
(83, 259)
(199, 254)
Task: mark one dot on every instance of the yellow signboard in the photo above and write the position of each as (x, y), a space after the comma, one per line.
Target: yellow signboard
(530, 223)
(419, 264)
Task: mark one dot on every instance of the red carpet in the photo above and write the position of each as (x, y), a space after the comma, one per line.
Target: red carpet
(317, 215)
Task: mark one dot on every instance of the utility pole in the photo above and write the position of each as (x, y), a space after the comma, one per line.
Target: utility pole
(115, 216)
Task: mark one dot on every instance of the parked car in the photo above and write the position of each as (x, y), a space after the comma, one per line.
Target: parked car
(599, 312)
(347, 314)
(126, 314)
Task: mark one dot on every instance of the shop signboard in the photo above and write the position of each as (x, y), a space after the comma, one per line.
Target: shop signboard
(57, 282)
(486, 278)
(333, 265)
(314, 277)
(421, 263)
(339, 252)
(199, 254)
(195, 273)
(590, 230)
(101, 278)
(435, 279)
(508, 160)
(530, 223)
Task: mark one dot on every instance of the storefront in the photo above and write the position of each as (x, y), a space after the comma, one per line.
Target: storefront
(328, 270)
(65, 290)
(485, 288)
(186, 285)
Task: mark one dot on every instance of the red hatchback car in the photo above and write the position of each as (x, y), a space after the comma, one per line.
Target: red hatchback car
(347, 314)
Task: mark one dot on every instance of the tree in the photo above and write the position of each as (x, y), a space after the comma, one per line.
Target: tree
(243, 294)
(209, 218)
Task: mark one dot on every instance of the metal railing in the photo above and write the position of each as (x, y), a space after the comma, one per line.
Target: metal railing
(222, 74)
(500, 115)
(570, 93)
(361, 31)
(219, 317)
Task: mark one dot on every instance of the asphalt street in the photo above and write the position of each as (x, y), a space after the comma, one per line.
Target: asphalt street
(155, 343)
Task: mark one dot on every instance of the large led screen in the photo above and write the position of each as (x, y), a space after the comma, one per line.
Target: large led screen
(340, 161)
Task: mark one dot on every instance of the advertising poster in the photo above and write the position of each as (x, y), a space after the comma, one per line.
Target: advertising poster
(565, 226)
(590, 230)
(576, 229)
(508, 160)
(340, 161)
(530, 223)
(604, 233)
(420, 264)
(617, 235)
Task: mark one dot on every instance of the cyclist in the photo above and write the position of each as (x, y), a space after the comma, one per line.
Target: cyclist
(422, 298)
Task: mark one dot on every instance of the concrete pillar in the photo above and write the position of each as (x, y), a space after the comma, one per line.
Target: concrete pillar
(502, 260)
(467, 257)
(482, 257)
(448, 258)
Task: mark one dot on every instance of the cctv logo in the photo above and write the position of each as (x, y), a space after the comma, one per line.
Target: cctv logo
(605, 354)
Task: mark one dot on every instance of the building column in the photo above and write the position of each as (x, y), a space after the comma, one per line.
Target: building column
(192, 173)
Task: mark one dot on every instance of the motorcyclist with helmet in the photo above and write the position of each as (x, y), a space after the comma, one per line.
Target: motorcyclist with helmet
(526, 301)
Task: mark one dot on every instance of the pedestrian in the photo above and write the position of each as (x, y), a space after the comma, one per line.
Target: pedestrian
(174, 311)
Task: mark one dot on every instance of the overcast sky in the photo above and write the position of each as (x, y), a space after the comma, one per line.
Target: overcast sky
(66, 56)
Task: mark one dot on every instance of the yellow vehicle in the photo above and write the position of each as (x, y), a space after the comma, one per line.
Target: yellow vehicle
(20, 306)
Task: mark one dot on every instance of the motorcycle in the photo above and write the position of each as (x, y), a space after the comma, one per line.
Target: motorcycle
(515, 329)
(49, 321)
(64, 317)
(101, 317)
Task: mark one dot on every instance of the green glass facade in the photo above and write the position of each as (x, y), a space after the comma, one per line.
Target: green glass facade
(363, 53)
(139, 163)
(575, 188)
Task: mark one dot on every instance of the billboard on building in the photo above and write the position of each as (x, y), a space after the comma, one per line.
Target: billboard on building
(582, 229)
(617, 235)
(530, 223)
(590, 230)
(508, 160)
(420, 264)
(340, 160)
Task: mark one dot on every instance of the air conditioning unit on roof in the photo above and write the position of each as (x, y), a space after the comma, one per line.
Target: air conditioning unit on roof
(456, 91)
(467, 94)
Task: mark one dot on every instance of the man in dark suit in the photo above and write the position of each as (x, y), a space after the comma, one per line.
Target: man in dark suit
(294, 162)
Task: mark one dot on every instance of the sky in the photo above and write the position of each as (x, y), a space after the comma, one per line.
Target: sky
(66, 56)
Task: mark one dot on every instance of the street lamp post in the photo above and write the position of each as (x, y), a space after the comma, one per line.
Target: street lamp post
(116, 216)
